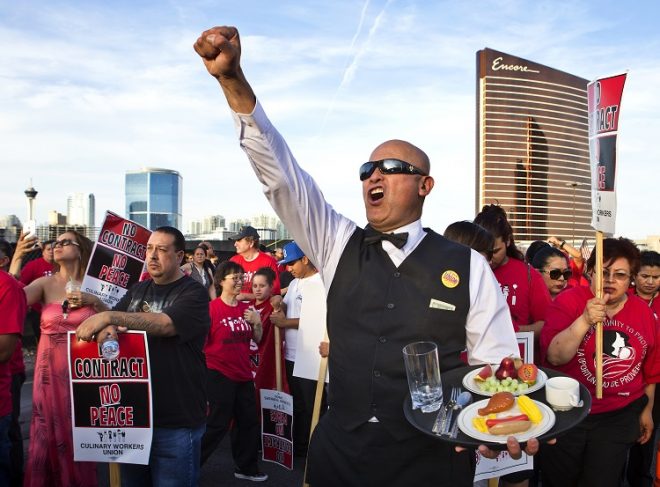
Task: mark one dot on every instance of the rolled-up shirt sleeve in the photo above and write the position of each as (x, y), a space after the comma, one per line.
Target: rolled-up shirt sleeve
(316, 227)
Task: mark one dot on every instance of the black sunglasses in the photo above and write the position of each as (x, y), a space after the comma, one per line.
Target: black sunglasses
(557, 273)
(388, 166)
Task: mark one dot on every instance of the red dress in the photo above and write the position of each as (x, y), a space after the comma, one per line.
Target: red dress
(50, 457)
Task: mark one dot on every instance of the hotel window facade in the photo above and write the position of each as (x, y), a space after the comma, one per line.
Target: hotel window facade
(532, 147)
(153, 197)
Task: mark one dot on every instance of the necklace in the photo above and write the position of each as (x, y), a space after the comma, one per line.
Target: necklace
(650, 300)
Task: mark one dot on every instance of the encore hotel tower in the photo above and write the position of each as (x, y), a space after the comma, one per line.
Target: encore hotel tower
(533, 148)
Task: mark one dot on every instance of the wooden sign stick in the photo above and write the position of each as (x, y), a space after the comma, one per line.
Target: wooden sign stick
(316, 413)
(278, 359)
(115, 475)
(599, 325)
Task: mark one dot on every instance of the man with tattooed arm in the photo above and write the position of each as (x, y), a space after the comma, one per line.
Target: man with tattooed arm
(173, 309)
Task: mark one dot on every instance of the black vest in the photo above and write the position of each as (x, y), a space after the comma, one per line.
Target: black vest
(375, 309)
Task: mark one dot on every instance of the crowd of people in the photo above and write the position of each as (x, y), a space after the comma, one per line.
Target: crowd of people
(215, 350)
(392, 268)
(212, 330)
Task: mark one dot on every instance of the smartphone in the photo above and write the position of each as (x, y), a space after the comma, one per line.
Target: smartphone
(30, 229)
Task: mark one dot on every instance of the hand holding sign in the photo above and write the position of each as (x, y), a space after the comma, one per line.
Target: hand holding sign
(88, 329)
(594, 311)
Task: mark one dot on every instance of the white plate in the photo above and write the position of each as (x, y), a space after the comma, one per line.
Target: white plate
(466, 426)
(473, 386)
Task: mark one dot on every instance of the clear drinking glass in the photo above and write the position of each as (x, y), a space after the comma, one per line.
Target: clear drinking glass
(72, 291)
(423, 372)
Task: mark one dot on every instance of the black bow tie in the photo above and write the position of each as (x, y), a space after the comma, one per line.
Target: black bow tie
(372, 236)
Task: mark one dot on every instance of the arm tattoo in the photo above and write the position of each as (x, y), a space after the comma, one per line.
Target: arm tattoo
(152, 323)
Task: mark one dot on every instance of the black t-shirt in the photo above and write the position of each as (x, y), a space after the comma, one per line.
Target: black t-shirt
(178, 368)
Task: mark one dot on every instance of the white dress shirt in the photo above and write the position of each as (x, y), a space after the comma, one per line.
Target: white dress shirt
(322, 234)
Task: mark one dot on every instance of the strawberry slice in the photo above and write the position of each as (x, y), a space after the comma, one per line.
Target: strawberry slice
(528, 373)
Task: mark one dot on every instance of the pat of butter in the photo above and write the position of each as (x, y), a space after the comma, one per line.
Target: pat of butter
(437, 304)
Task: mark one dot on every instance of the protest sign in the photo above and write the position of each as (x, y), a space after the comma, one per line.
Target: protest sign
(503, 464)
(111, 400)
(604, 103)
(276, 427)
(117, 259)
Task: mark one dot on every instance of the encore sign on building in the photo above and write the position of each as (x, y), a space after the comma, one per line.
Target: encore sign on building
(532, 146)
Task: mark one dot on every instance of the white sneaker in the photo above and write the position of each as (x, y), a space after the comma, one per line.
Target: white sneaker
(255, 477)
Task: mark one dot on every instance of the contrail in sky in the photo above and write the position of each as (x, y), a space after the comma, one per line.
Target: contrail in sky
(351, 69)
(353, 42)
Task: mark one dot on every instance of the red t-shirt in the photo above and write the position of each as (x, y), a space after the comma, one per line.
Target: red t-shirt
(16, 362)
(262, 260)
(35, 269)
(630, 357)
(257, 350)
(32, 271)
(265, 309)
(653, 303)
(227, 347)
(263, 356)
(13, 308)
(525, 292)
(577, 279)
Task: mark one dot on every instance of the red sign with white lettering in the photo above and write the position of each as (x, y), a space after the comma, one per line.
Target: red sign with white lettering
(111, 400)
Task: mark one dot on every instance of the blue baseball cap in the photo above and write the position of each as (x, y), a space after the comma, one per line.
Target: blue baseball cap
(291, 252)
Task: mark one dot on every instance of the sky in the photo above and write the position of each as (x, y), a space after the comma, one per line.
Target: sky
(92, 89)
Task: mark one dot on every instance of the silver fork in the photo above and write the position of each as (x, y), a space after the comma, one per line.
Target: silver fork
(443, 415)
(455, 392)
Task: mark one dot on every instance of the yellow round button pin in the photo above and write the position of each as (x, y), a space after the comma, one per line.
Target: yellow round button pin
(450, 279)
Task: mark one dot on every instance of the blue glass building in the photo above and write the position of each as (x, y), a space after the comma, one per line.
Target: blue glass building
(153, 197)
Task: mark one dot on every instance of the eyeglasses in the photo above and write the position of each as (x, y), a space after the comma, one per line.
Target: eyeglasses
(557, 273)
(235, 277)
(620, 276)
(388, 166)
(65, 242)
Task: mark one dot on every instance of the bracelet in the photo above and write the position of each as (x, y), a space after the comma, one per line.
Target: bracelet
(561, 246)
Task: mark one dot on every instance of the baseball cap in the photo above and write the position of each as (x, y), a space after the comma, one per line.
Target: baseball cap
(291, 252)
(246, 231)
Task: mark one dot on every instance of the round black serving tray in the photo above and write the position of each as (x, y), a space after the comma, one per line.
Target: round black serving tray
(564, 420)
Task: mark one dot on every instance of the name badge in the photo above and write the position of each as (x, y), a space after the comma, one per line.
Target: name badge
(437, 304)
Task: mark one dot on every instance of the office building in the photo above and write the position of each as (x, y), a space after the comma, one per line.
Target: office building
(208, 224)
(80, 209)
(56, 218)
(532, 147)
(153, 197)
(10, 227)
